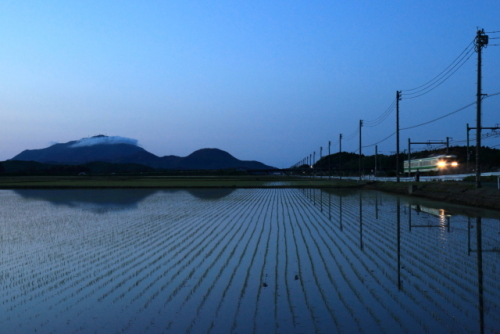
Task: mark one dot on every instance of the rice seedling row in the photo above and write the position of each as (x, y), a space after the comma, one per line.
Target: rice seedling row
(367, 298)
(209, 269)
(260, 260)
(347, 213)
(439, 288)
(218, 257)
(353, 268)
(176, 289)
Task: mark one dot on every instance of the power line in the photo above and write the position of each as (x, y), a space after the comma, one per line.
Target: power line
(437, 119)
(434, 120)
(451, 113)
(490, 95)
(389, 136)
(436, 84)
(352, 135)
(470, 45)
(381, 118)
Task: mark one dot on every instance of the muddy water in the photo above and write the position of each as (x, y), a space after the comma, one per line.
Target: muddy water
(248, 261)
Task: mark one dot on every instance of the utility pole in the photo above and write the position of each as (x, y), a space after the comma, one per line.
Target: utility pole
(329, 161)
(320, 156)
(447, 145)
(376, 153)
(310, 162)
(360, 126)
(398, 98)
(314, 161)
(340, 156)
(481, 41)
(472, 128)
(409, 158)
(468, 153)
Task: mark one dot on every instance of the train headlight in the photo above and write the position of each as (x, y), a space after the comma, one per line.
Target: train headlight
(454, 164)
(442, 164)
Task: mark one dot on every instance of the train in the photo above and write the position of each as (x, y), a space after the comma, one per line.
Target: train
(432, 164)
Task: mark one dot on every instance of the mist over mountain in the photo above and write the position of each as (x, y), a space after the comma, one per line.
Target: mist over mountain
(114, 149)
(102, 139)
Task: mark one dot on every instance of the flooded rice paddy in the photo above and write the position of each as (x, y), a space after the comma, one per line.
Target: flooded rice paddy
(244, 261)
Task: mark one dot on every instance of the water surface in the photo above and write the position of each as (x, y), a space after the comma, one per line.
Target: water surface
(246, 261)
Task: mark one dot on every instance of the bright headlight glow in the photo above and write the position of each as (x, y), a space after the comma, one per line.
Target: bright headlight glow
(454, 164)
(441, 164)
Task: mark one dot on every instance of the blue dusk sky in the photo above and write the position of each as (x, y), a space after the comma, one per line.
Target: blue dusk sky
(264, 80)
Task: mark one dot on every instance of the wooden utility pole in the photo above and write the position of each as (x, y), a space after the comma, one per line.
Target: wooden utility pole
(340, 156)
(360, 126)
(329, 161)
(320, 156)
(398, 98)
(481, 41)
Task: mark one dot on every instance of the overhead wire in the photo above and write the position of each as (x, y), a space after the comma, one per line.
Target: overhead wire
(389, 136)
(332, 143)
(449, 114)
(437, 119)
(428, 122)
(427, 87)
(436, 84)
(433, 120)
(470, 45)
(490, 95)
(352, 135)
(382, 117)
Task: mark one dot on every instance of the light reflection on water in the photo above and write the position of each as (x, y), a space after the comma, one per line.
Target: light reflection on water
(256, 260)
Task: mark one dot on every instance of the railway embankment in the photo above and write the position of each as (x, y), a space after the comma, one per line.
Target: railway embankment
(451, 192)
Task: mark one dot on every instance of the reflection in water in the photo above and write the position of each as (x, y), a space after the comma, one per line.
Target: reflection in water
(441, 214)
(109, 200)
(340, 213)
(360, 220)
(99, 201)
(431, 215)
(260, 260)
(444, 217)
(211, 194)
(329, 206)
(479, 242)
(398, 231)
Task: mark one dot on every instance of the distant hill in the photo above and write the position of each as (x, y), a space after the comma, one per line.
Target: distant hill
(119, 150)
(33, 167)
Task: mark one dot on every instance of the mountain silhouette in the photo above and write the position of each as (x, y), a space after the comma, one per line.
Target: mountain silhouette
(125, 151)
